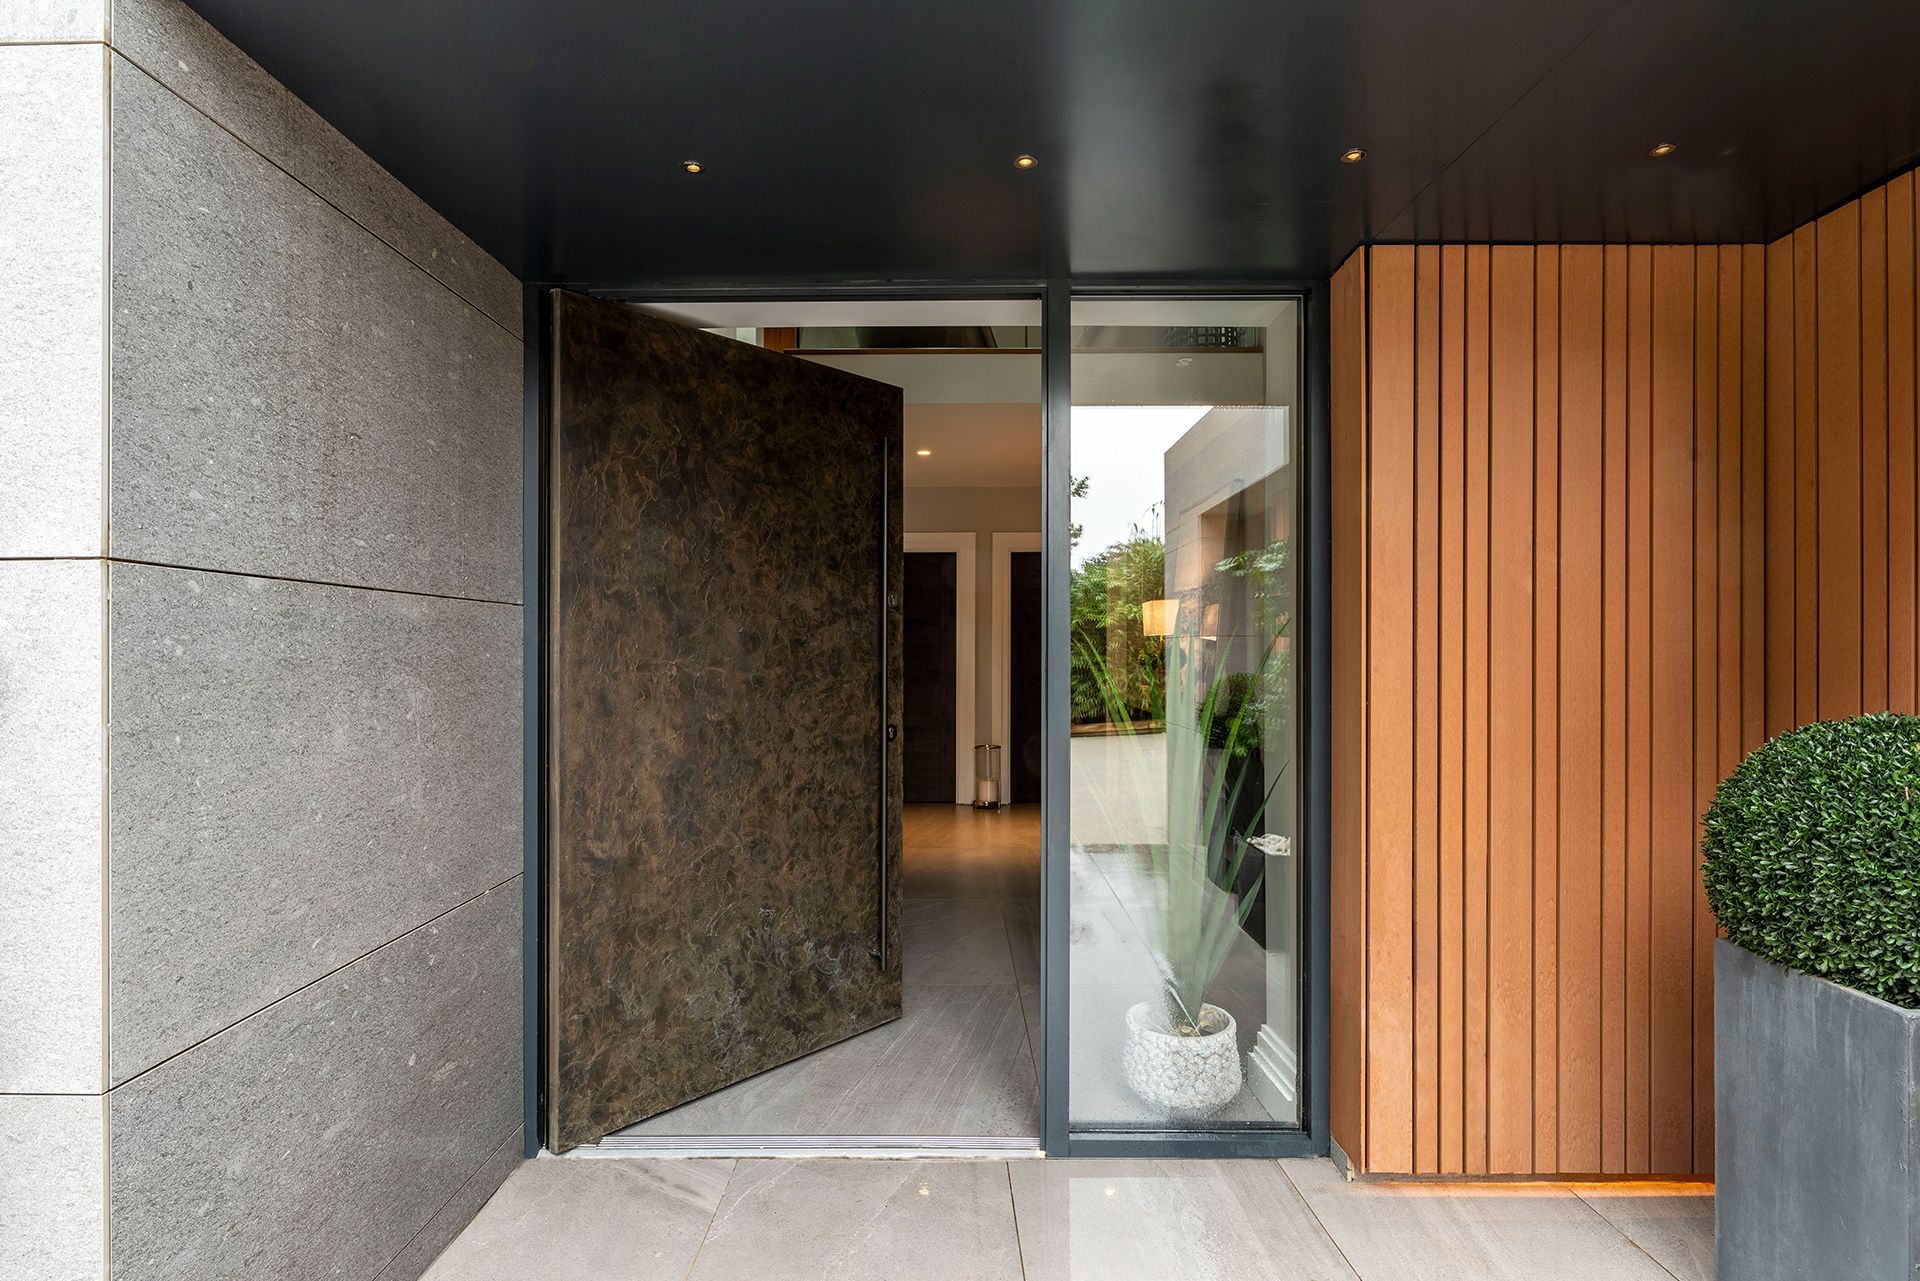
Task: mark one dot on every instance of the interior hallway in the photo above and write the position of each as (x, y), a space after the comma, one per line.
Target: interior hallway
(583, 1219)
(961, 1061)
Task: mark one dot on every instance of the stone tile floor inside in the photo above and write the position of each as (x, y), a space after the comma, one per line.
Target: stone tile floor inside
(615, 1219)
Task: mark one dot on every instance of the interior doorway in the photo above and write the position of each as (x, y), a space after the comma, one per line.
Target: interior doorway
(930, 848)
(931, 628)
(939, 664)
(1025, 747)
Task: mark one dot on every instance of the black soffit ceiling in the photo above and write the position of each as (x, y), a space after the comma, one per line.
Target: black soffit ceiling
(874, 139)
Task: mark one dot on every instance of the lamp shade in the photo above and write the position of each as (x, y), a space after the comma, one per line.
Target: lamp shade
(1157, 617)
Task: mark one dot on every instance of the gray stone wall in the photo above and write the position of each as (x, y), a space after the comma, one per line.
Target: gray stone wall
(260, 662)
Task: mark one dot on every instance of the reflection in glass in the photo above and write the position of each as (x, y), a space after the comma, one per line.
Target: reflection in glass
(1184, 915)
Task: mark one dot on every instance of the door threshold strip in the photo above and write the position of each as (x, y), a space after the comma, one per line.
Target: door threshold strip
(836, 1145)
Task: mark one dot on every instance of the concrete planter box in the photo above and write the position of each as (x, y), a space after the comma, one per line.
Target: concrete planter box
(1816, 1127)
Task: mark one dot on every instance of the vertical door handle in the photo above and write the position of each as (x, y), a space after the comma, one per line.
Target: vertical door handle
(887, 600)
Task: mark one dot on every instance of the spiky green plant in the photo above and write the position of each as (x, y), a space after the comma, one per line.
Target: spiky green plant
(1200, 918)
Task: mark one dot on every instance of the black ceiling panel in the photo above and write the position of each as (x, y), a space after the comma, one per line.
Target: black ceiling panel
(1206, 139)
(1778, 110)
(875, 138)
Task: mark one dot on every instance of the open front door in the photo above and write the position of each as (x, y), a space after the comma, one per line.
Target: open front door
(723, 887)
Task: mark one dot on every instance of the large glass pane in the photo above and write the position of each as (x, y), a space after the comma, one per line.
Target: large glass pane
(1185, 912)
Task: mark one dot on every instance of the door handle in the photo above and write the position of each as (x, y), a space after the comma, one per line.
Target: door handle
(888, 599)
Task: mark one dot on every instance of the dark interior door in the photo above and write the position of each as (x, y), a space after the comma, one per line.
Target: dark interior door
(1024, 746)
(723, 673)
(930, 668)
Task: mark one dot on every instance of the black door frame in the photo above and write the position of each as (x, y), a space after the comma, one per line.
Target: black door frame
(1055, 297)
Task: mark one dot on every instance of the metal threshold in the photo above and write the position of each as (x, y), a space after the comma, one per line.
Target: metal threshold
(813, 1145)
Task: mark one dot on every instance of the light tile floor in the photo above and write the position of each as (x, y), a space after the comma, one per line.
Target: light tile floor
(960, 1061)
(599, 1219)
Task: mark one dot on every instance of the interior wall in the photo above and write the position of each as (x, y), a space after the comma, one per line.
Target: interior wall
(263, 523)
(982, 511)
(1604, 518)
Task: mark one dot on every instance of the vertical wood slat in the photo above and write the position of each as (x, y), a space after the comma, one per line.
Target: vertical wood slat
(1673, 606)
(1806, 492)
(1724, 664)
(1615, 406)
(1782, 525)
(1720, 668)
(1753, 496)
(1903, 682)
(1426, 713)
(1623, 488)
(1544, 1005)
(1453, 720)
(1347, 730)
(1872, 393)
(1639, 921)
(1837, 428)
(1715, 636)
(1389, 481)
(1510, 482)
(1479, 282)
(1579, 667)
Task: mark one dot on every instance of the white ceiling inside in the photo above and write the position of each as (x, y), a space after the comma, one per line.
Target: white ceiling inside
(844, 313)
(1197, 377)
(976, 412)
(946, 377)
(987, 444)
(840, 313)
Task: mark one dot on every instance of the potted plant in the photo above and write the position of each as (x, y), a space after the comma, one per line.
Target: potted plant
(1181, 1053)
(1812, 866)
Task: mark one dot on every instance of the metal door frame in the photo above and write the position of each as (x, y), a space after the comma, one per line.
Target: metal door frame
(1055, 296)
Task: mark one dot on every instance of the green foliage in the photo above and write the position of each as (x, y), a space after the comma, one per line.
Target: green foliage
(1267, 587)
(1234, 725)
(1813, 854)
(1104, 599)
(1267, 572)
(1076, 488)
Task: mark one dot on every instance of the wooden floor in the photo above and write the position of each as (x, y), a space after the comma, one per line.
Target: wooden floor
(961, 1061)
(596, 1219)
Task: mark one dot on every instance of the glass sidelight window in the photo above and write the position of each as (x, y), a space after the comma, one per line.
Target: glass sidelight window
(1185, 918)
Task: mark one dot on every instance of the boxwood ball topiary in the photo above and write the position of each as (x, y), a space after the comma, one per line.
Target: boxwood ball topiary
(1813, 854)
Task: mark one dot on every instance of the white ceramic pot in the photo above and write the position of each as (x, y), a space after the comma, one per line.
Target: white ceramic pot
(1185, 1075)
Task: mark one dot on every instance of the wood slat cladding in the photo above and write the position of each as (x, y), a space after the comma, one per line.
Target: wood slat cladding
(1604, 517)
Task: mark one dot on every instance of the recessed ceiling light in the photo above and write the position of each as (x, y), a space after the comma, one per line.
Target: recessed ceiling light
(692, 166)
(1024, 161)
(924, 453)
(1353, 155)
(1663, 148)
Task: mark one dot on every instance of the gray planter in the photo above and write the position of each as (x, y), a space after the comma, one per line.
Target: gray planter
(1816, 1127)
